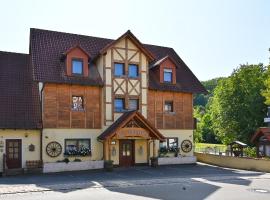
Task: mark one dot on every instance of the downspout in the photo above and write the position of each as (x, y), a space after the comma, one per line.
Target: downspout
(41, 130)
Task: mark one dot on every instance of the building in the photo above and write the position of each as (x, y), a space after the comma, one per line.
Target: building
(97, 99)
(261, 139)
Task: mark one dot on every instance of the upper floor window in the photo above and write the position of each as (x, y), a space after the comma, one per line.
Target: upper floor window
(77, 103)
(77, 66)
(133, 104)
(119, 69)
(119, 104)
(168, 106)
(167, 75)
(133, 71)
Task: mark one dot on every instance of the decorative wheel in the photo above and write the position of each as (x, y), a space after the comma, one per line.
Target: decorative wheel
(54, 149)
(186, 146)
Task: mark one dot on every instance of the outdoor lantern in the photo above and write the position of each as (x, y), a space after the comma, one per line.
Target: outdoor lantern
(140, 150)
(31, 147)
(113, 151)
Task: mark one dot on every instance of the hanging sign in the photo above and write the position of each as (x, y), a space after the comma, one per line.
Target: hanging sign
(132, 132)
(267, 120)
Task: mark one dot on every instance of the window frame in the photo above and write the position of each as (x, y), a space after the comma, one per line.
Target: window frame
(77, 143)
(167, 70)
(80, 60)
(123, 64)
(74, 109)
(138, 103)
(123, 100)
(172, 106)
(137, 67)
(167, 142)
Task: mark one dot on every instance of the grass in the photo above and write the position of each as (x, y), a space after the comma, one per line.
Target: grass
(203, 146)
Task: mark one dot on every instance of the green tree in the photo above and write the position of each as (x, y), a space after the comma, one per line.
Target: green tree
(266, 92)
(237, 108)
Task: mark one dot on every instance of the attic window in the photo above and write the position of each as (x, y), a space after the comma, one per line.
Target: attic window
(167, 75)
(77, 66)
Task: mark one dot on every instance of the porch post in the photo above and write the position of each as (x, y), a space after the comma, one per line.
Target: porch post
(148, 150)
(154, 148)
(109, 150)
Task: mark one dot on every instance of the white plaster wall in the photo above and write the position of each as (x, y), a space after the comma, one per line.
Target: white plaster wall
(181, 134)
(59, 135)
(28, 137)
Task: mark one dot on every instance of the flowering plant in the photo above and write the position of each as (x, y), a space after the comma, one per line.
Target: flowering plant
(83, 151)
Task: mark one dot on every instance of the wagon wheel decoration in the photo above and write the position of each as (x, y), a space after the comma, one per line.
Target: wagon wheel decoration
(186, 146)
(54, 149)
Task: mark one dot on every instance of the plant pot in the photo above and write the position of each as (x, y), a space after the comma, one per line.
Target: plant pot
(108, 165)
(154, 161)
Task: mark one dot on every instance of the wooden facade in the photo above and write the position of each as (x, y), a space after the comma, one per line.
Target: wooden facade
(180, 118)
(57, 101)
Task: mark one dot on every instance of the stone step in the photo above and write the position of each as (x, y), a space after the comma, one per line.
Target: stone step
(13, 172)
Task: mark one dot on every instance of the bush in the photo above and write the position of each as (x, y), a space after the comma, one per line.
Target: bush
(77, 160)
(250, 152)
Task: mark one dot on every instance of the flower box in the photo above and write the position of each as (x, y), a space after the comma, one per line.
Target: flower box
(72, 166)
(177, 160)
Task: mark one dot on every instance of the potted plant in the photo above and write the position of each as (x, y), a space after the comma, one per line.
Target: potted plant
(108, 165)
(154, 161)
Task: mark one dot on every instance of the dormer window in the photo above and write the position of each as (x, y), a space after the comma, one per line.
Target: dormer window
(168, 75)
(77, 66)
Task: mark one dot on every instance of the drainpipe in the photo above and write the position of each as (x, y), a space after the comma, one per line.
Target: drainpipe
(41, 130)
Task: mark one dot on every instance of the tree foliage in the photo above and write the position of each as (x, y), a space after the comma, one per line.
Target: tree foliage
(237, 107)
(266, 92)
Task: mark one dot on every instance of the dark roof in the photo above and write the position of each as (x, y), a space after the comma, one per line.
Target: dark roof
(262, 131)
(47, 47)
(124, 119)
(19, 97)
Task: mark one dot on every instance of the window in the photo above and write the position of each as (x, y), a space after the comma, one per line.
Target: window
(78, 147)
(133, 104)
(77, 103)
(167, 76)
(77, 66)
(119, 104)
(133, 71)
(168, 107)
(119, 69)
(169, 143)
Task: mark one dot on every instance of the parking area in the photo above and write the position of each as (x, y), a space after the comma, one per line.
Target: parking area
(129, 179)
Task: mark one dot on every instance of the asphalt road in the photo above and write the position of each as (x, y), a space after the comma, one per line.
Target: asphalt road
(167, 182)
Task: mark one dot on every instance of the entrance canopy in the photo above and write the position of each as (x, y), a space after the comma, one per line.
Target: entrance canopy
(131, 124)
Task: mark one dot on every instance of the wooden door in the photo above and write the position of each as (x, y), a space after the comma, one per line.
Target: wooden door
(14, 153)
(126, 157)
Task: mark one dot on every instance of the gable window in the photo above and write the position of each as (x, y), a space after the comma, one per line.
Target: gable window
(133, 104)
(168, 106)
(119, 69)
(167, 75)
(77, 67)
(77, 103)
(78, 147)
(119, 104)
(133, 71)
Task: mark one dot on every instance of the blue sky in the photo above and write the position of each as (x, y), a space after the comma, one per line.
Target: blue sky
(211, 36)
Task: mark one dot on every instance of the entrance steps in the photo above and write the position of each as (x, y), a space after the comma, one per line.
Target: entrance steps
(13, 172)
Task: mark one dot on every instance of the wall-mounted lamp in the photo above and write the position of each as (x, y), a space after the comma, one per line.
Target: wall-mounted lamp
(140, 150)
(113, 151)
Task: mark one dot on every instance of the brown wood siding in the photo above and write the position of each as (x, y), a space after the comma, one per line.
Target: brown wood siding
(181, 118)
(57, 112)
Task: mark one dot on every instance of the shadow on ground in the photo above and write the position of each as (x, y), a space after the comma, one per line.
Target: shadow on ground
(72, 181)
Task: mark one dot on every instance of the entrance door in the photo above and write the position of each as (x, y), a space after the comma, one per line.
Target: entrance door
(126, 157)
(14, 153)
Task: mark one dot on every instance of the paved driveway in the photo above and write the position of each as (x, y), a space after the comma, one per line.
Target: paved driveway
(165, 182)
